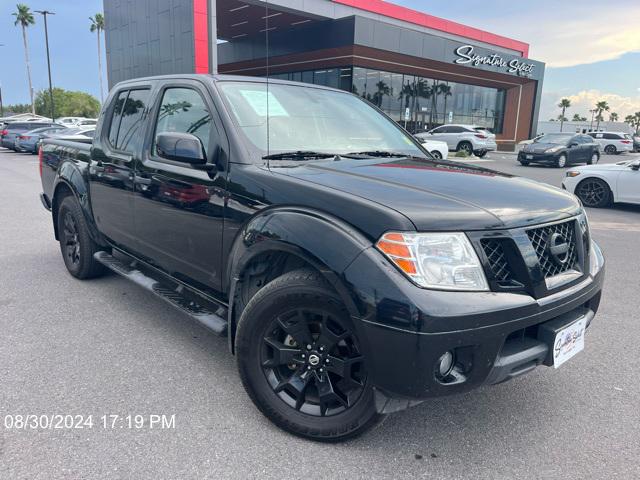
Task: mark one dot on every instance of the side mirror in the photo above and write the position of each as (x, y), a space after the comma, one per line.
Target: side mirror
(573, 144)
(180, 147)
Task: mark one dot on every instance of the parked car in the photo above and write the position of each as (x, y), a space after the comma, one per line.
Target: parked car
(601, 185)
(12, 130)
(613, 142)
(69, 121)
(436, 148)
(87, 122)
(560, 150)
(353, 275)
(28, 141)
(471, 139)
(636, 143)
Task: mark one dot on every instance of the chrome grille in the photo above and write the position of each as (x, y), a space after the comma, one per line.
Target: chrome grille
(540, 240)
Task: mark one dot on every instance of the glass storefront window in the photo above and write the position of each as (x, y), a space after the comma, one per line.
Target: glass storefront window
(431, 102)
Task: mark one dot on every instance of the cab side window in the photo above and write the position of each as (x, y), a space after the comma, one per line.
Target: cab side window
(126, 120)
(183, 110)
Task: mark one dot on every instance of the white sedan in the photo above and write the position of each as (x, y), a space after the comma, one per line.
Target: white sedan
(603, 184)
(436, 148)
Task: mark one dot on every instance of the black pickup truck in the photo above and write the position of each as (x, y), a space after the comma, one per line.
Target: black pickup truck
(353, 274)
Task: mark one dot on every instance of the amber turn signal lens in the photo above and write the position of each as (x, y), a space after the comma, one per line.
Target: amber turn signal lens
(393, 245)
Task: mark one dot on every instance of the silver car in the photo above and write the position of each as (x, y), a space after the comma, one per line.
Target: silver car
(471, 139)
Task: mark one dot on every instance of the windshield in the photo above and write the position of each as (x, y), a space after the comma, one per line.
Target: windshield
(311, 119)
(561, 138)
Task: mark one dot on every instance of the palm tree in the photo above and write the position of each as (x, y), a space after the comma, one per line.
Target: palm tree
(564, 104)
(633, 120)
(24, 18)
(578, 118)
(613, 117)
(601, 107)
(382, 90)
(97, 25)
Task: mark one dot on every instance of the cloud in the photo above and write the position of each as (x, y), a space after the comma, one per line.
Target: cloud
(563, 34)
(585, 100)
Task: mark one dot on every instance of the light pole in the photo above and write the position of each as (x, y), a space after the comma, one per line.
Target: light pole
(44, 13)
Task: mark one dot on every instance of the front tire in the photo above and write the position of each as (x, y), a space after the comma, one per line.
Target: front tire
(595, 158)
(76, 245)
(300, 360)
(465, 147)
(594, 192)
(561, 162)
(480, 153)
(524, 163)
(436, 154)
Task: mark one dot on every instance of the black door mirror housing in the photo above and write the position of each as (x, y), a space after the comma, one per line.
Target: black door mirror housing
(180, 147)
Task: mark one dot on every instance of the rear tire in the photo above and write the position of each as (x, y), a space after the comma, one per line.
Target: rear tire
(480, 153)
(76, 245)
(436, 154)
(300, 361)
(594, 193)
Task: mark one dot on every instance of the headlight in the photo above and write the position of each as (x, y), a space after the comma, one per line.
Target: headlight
(572, 173)
(443, 261)
(554, 149)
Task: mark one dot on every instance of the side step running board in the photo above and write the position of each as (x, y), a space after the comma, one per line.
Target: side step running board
(213, 320)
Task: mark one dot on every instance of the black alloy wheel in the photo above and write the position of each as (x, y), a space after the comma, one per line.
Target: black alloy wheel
(301, 362)
(610, 149)
(70, 239)
(312, 362)
(465, 147)
(436, 154)
(76, 245)
(594, 192)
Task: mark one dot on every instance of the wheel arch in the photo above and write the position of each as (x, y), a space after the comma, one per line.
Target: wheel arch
(283, 239)
(69, 181)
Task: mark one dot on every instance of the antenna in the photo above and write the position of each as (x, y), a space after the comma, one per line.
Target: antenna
(266, 41)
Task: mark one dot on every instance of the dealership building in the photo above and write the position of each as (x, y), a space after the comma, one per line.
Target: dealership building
(421, 70)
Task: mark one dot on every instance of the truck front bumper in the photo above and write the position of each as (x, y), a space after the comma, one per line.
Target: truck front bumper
(493, 336)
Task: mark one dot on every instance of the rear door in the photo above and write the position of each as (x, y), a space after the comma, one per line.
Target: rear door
(112, 167)
(179, 208)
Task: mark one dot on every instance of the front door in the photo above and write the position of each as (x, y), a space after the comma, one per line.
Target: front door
(112, 166)
(179, 207)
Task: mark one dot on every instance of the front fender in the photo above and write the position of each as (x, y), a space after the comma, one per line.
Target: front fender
(325, 242)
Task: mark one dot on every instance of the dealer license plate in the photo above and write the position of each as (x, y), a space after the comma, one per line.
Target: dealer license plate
(529, 157)
(568, 342)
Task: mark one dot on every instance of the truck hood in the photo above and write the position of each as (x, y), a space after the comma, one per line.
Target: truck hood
(440, 195)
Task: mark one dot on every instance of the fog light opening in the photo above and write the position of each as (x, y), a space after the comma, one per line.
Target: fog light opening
(445, 365)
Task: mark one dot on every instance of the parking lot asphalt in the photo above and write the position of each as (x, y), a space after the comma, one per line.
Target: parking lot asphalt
(106, 347)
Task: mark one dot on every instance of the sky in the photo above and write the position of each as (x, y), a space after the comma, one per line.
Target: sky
(591, 49)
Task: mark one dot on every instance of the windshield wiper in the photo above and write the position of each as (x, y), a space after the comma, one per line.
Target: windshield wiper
(298, 155)
(380, 153)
